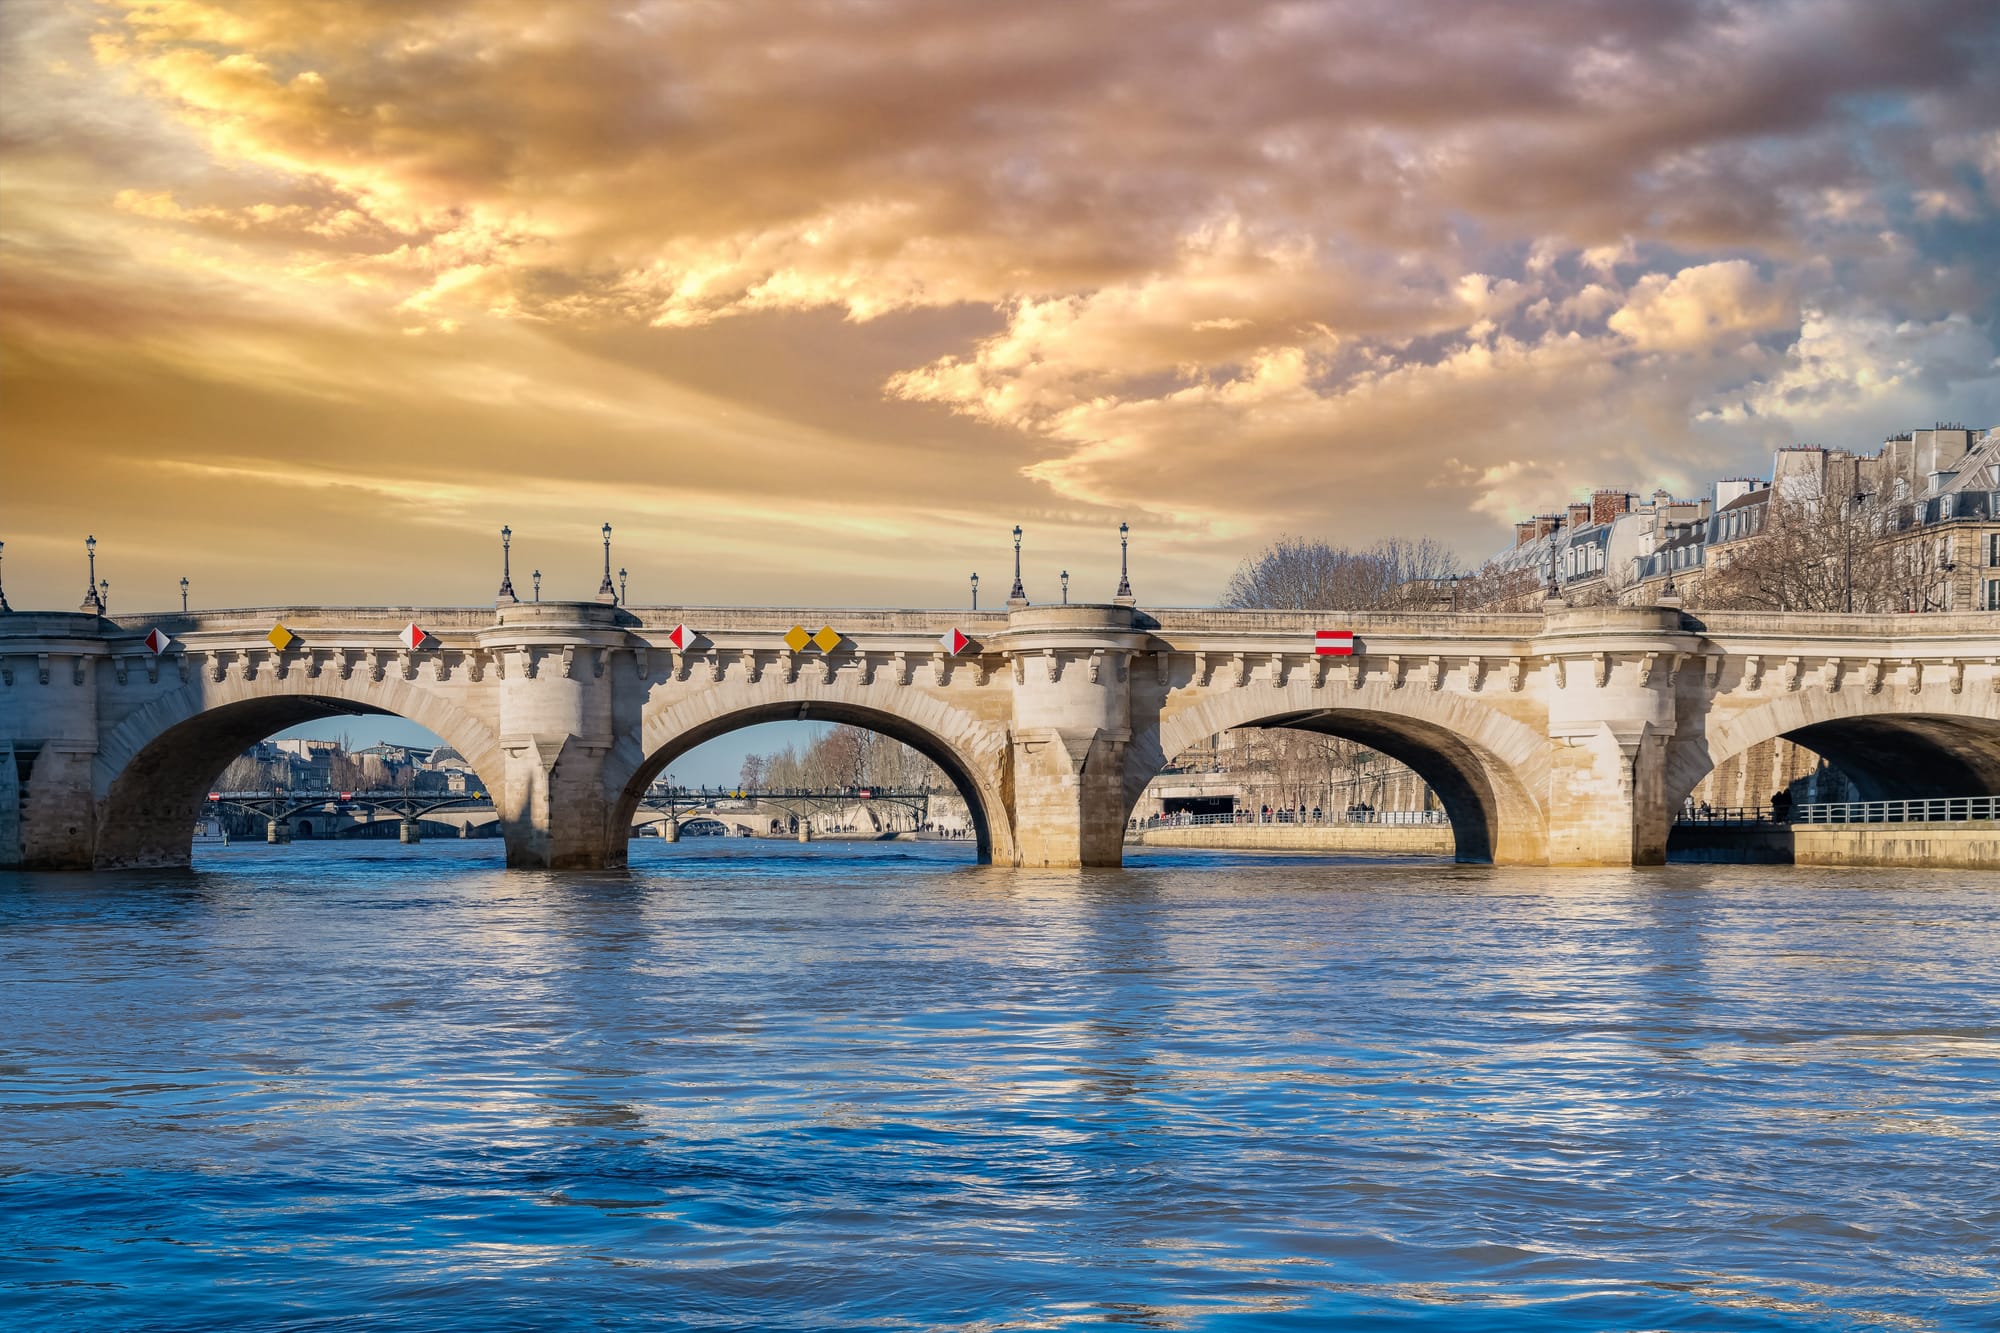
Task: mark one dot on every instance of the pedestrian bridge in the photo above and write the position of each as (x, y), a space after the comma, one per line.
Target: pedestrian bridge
(1567, 736)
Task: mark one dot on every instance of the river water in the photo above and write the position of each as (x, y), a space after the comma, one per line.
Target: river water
(874, 1086)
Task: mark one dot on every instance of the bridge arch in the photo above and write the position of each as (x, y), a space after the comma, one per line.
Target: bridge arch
(1484, 766)
(1892, 743)
(972, 753)
(154, 770)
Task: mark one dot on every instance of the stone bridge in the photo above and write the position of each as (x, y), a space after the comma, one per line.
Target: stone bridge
(1561, 737)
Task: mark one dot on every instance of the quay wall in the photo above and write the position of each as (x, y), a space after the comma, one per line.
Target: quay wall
(1406, 839)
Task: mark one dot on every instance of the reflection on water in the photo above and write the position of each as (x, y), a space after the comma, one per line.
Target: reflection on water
(875, 1086)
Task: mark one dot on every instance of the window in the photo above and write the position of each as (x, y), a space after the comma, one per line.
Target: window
(1991, 600)
(1993, 548)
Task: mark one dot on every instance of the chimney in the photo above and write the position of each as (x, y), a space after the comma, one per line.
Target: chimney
(1524, 532)
(1579, 514)
(1547, 523)
(1607, 505)
(1662, 498)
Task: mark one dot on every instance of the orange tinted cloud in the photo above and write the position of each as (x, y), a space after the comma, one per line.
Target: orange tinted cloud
(839, 292)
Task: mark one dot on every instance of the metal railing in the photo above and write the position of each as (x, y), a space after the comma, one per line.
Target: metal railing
(1937, 810)
(1941, 810)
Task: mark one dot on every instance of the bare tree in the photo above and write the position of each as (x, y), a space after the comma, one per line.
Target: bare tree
(1815, 552)
(1307, 574)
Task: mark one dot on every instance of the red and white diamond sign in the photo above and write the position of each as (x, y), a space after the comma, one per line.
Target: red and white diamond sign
(954, 641)
(413, 636)
(158, 641)
(682, 637)
(1334, 642)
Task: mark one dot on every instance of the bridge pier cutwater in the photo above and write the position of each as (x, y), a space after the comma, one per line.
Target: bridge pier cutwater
(1563, 737)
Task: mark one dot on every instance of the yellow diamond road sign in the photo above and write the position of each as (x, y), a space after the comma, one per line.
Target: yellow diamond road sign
(280, 637)
(796, 638)
(826, 638)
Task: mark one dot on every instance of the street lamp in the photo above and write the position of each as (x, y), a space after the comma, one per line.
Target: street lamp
(538, 585)
(1124, 593)
(184, 594)
(975, 593)
(1019, 594)
(506, 593)
(104, 596)
(90, 600)
(621, 585)
(1065, 583)
(605, 592)
(3, 584)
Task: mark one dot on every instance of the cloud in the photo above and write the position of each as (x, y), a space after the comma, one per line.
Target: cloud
(1240, 267)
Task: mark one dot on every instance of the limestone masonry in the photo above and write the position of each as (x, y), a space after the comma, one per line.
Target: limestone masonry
(1565, 736)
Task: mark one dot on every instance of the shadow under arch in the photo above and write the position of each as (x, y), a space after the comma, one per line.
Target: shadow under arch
(982, 800)
(1493, 816)
(1921, 754)
(147, 812)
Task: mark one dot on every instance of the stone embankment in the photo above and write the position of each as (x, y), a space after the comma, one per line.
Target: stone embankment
(1364, 839)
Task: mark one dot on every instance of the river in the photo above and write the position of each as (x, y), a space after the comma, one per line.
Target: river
(874, 1086)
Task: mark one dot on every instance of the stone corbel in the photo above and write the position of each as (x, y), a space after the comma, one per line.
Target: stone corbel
(184, 664)
(1517, 674)
(441, 667)
(1277, 671)
(1200, 670)
(314, 663)
(1956, 674)
(1163, 662)
(1875, 669)
(1395, 671)
(1646, 665)
(939, 665)
(1475, 674)
(1711, 669)
(218, 667)
(749, 659)
(1434, 676)
(42, 667)
(1122, 666)
(981, 671)
(119, 667)
(380, 664)
(531, 662)
(1794, 668)
(152, 670)
(6, 672)
(788, 666)
(569, 661)
(1913, 674)
(247, 662)
(1020, 668)
(1096, 665)
(1051, 665)
(1753, 672)
(475, 665)
(1355, 670)
(79, 669)
(825, 664)
(1562, 673)
(1993, 664)
(641, 664)
(902, 667)
(599, 659)
(406, 666)
(713, 661)
(1829, 674)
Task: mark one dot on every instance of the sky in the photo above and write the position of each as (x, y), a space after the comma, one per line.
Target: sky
(304, 299)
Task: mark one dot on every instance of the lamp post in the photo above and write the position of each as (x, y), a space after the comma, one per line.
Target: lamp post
(104, 596)
(3, 584)
(605, 592)
(90, 599)
(538, 585)
(975, 593)
(1019, 594)
(1065, 586)
(621, 585)
(1124, 594)
(184, 594)
(506, 593)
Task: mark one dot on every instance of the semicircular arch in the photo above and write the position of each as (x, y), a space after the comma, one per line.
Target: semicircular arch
(153, 770)
(972, 753)
(1892, 743)
(1485, 767)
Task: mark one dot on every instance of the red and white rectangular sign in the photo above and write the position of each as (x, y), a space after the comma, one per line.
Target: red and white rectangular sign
(1334, 642)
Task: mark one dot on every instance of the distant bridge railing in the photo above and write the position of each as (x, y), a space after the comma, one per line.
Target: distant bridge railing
(1324, 817)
